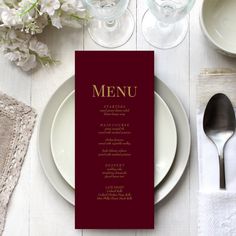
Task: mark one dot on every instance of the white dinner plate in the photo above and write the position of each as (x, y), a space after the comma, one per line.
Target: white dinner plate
(59, 183)
(183, 137)
(44, 147)
(62, 139)
(63, 146)
(165, 139)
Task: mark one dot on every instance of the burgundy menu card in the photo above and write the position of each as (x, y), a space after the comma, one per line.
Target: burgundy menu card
(114, 156)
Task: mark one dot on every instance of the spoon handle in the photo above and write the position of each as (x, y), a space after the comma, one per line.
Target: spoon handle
(222, 171)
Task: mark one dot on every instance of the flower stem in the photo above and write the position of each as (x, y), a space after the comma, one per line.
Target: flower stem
(79, 18)
(30, 8)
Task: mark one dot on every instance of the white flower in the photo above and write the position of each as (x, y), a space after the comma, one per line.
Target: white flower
(20, 19)
(71, 6)
(26, 4)
(49, 6)
(3, 34)
(67, 20)
(11, 34)
(3, 8)
(10, 17)
(28, 63)
(40, 48)
(56, 21)
(14, 55)
(14, 37)
(10, 2)
(26, 10)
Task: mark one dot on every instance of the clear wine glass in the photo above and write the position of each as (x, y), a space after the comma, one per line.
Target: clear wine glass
(165, 24)
(111, 24)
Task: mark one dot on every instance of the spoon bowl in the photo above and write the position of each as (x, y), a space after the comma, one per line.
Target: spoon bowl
(219, 127)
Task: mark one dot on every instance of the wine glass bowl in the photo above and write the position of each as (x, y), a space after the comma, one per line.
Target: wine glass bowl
(165, 24)
(111, 24)
(107, 10)
(167, 11)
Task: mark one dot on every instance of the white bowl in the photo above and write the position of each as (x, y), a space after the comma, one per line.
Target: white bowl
(218, 22)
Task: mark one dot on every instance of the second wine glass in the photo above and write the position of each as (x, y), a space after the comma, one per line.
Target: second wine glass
(165, 24)
(111, 24)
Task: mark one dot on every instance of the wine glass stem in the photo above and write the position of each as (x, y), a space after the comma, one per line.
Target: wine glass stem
(111, 25)
(163, 25)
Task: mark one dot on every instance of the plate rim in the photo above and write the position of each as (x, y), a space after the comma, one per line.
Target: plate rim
(176, 138)
(68, 197)
(51, 135)
(161, 191)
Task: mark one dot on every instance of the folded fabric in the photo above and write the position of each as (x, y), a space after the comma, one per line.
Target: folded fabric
(217, 209)
(16, 125)
(217, 214)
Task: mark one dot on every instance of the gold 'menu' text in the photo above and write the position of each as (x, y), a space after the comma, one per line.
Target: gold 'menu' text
(105, 91)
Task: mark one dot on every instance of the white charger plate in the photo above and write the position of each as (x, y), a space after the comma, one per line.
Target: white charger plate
(165, 139)
(62, 139)
(183, 137)
(59, 183)
(44, 147)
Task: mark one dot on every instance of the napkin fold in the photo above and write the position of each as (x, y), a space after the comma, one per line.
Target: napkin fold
(217, 209)
(217, 214)
(16, 125)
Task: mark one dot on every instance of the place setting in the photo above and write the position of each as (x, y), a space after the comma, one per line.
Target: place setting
(113, 139)
(172, 137)
(58, 158)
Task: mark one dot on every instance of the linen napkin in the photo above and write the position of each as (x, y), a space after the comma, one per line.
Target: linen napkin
(16, 125)
(217, 208)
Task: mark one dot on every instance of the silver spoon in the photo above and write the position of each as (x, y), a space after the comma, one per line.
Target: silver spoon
(219, 126)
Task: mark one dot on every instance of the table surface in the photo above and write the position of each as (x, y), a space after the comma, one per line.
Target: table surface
(36, 209)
